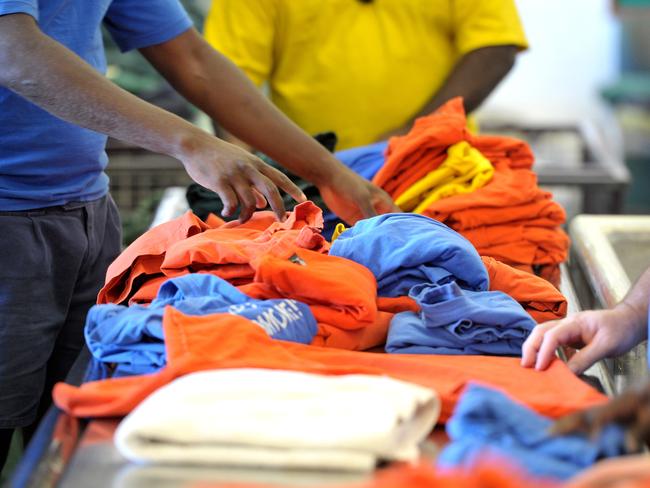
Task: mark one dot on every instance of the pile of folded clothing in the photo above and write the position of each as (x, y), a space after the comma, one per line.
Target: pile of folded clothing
(264, 418)
(459, 313)
(482, 186)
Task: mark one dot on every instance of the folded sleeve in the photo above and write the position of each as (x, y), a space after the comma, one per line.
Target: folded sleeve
(29, 7)
(244, 32)
(485, 23)
(135, 24)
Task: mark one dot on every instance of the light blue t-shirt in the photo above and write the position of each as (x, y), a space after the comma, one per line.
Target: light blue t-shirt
(45, 161)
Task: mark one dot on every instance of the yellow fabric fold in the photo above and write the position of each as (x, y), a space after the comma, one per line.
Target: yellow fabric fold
(464, 171)
(338, 230)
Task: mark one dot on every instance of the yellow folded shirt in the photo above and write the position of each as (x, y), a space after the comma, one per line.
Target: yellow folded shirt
(338, 230)
(464, 171)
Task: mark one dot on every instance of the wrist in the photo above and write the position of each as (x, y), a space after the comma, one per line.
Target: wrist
(190, 142)
(328, 171)
(633, 318)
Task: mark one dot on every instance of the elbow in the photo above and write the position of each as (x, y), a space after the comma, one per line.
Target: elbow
(504, 59)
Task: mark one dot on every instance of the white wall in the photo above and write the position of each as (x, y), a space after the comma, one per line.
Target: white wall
(573, 52)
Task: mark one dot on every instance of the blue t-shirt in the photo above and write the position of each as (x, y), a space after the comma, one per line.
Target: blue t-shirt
(45, 161)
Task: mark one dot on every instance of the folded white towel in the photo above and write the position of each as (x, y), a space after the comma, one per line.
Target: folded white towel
(279, 419)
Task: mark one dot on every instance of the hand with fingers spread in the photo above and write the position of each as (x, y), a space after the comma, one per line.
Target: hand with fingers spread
(238, 177)
(353, 198)
(599, 334)
(631, 410)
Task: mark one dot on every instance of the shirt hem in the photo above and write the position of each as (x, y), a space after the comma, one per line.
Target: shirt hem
(161, 35)
(21, 205)
(19, 7)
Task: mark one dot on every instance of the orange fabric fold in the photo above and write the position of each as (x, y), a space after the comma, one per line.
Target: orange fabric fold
(520, 244)
(228, 341)
(489, 473)
(187, 245)
(341, 294)
(538, 297)
(423, 149)
(145, 255)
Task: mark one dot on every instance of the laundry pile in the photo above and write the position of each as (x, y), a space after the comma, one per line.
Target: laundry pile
(226, 341)
(482, 186)
(263, 344)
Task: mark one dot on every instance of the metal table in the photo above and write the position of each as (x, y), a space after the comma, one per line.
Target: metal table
(574, 156)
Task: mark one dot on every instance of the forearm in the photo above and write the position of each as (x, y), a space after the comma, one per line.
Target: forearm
(219, 88)
(57, 80)
(222, 133)
(474, 77)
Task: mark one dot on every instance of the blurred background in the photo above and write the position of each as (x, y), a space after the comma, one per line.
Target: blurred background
(580, 95)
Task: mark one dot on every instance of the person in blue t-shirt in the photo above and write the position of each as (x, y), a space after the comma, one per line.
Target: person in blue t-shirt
(603, 334)
(60, 228)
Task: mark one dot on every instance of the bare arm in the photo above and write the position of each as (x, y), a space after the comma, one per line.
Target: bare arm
(474, 77)
(214, 84)
(57, 80)
(600, 334)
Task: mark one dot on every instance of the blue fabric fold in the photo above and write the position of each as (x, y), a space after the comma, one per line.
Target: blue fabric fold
(366, 161)
(486, 424)
(456, 321)
(404, 250)
(132, 337)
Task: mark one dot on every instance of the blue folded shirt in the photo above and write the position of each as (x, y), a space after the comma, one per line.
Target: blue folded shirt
(403, 250)
(487, 424)
(132, 337)
(456, 321)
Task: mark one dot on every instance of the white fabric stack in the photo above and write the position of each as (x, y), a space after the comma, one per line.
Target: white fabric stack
(279, 419)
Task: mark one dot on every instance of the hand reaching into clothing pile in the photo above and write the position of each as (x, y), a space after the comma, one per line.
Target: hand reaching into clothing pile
(353, 198)
(238, 177)
(630, 410)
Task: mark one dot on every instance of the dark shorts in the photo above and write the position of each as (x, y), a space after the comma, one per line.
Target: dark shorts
(52, 264)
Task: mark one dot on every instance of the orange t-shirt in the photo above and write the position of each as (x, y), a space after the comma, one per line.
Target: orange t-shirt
(228, 341)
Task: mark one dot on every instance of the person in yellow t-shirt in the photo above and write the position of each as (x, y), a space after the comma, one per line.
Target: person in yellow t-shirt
(367, 69)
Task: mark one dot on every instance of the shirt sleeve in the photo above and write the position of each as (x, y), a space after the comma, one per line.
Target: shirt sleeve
(484, 23)
(244, 31)
(135, 24)
(29, 7)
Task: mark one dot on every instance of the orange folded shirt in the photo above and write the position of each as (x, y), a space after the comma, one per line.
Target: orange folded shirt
(538, 297)
(234, 243)
(423, 149)
(228, 341)
(520, 244)
(187, 245)
(145, 255)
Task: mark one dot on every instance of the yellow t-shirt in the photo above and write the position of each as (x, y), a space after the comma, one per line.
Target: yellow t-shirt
(359, 69)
